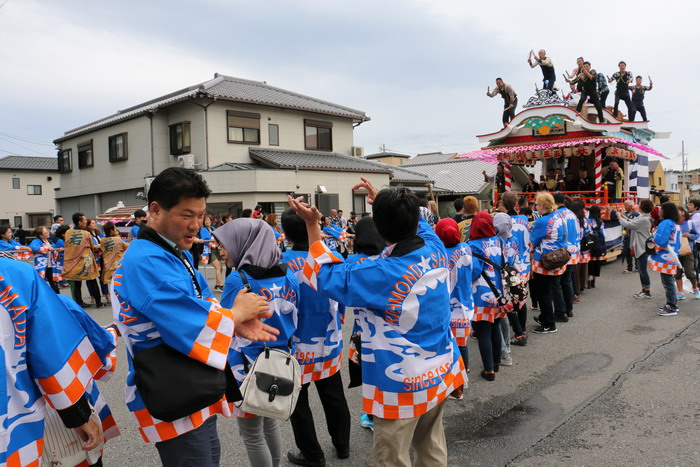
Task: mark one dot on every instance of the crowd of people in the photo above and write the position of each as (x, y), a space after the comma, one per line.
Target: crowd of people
(415, 287)
(586, 85)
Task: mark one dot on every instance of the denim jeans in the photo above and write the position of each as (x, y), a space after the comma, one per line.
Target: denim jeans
(643, 273)
(669, 284)
(505, 337)
(197, 448)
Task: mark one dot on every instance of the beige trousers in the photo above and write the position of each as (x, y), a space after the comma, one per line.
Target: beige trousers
(393, 440)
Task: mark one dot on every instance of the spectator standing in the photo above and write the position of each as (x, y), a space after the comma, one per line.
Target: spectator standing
(547, 235)
(57, 222)
(563, 292)
(407, 405)
(471, 207)
(343, 220)
(665, 261)
(460, 215)
(639, 228)
(688, 237)
(79, 262)
(164, 301)
(694, 210)
(598, 250)
(319, 344)
(613, 176)
(13, 248)
(43, 256)
(139, 218)
(521, 236)
(627, 255)
(487, 288)
(113, 248)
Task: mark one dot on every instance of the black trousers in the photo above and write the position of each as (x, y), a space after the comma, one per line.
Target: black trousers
(489, 339)
(603, 98)
(197, 448)
(593, 98)
(94, 289)
(518, 320)
(627, 254)
(639, 107)
(594, 268)
(563, 292)
(628, 102)
(335, 407)
(49, 278)
(509, 114)
(541, 287)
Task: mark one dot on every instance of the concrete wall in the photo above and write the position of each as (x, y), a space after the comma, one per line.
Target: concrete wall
(16, 202)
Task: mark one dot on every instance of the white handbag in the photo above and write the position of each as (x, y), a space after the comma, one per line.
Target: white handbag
(63, 446)
(271, 387)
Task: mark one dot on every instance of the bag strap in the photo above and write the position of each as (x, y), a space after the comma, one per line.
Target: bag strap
(246, 284)
(491, 285)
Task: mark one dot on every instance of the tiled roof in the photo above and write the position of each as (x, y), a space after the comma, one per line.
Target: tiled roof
(315, 160)
(379, 155)
(42, 164)
(227, 88)
(459, 176)
(402, 175)
(653, 165)
(231, 166)
(429, 158)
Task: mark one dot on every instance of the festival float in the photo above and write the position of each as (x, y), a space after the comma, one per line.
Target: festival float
(121, 216)
(551, 133)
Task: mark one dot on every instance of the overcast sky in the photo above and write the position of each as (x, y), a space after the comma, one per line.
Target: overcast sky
(418, 68)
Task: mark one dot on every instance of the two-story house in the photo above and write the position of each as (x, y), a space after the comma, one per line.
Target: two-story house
(253, 143)
(27, 186)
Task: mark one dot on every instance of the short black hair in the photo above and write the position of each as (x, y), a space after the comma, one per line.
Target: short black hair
(4, 229)
(695, 202)
(621, 62)
(57, 217)
(340, 210)
(294, 227)
(499, 79)
(586, 63)
(139, 213)
(77, 216)
(637, 77)
(559, 197)
(646, 206)
(664, 199)
(670, 211)
(61, 231)
(395, 213)
(247, 212)
(174, 184)
(422, 199)
(459, 204)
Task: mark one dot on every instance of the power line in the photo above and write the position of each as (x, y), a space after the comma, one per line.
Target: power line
(26, 140)
(23, 147)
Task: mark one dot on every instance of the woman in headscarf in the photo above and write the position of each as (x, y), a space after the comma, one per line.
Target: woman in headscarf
(368, 246)
(487, 288)
(248, 245)
(459, 263)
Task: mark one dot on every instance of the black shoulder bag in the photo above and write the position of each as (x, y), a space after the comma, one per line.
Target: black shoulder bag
(171, 384)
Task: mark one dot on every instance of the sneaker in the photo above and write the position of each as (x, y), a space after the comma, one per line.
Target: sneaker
(627, 271)
(507, 361)
(697, 295)
(680, 296)
(570, 314)
(561, 318)
(220, 288)
(576, 299)
(534, 307)
(642, 295)
(668, 311)
(536, 319)
(519, 340)
(544, 330)
(366, 422)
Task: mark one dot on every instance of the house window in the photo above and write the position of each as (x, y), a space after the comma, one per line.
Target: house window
(243, 127)
(118, 150)
(18, 221)
(65, 161)
(15, 183)
(180, 140)
(659, 181)
(85, 158)
(274, 132)
(318, 135)
(36, 220)
(33, 189)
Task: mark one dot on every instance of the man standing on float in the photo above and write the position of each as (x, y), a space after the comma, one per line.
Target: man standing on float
(510, 99)
(547, 67)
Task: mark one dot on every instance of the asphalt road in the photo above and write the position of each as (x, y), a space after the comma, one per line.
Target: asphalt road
(616, 385)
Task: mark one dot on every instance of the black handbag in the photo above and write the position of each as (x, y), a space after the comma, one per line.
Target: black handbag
(173, 385)
(587, 242)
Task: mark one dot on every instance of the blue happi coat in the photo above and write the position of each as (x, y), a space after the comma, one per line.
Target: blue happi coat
(521, 233)
(485, 300)
(45, 355)
(459, 262)
(410, 360)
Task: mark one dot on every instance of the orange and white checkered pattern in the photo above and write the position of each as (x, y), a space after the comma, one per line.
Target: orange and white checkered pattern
(320, 370)
(27, 456)
(402, 405)
(154, 430)
(352, 353)
(318, 254)
(65, 387)
(487, 313)
(663, 268)
(537, 268)
(599, 258)
(585, 257)
(575, 258)
(110, 364)
(214, 340)
(461, 335)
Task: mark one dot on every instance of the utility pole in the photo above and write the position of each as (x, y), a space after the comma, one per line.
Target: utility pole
(684, 167)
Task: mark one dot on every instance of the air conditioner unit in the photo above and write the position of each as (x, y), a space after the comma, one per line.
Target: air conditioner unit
(358, 151)
(186, 161)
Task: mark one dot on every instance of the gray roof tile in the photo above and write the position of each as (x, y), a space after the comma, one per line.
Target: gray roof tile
(459, 176)
(42, 164)
(228, 88)
(430, 158)
(314, 160)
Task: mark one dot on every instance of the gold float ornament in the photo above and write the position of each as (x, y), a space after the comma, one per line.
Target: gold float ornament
(543, 130)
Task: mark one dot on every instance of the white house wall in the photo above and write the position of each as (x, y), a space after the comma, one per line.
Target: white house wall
(16, 202)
